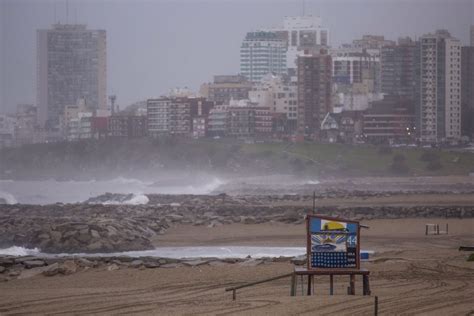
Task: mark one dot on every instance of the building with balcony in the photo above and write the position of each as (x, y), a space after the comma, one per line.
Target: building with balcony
(398, 63)
(439, 88)
(390, 120)
(314, 93)
(262, 53)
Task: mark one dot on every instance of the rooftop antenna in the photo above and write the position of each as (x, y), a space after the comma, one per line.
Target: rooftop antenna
(67, 11)
(112, 99)
(304, 9)
(55, 20)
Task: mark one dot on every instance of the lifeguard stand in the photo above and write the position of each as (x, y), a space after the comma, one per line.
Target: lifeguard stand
(332, 248)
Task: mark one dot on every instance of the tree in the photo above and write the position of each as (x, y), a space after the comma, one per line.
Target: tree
(399, 165)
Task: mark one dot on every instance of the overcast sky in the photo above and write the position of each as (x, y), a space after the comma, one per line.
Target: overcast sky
(155, 45)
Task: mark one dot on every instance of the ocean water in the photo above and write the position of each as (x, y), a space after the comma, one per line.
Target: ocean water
(177, 252)
(220, 252)
(53, 191)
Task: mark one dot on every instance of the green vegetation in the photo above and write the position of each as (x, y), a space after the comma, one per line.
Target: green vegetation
(399, 165)
(98, 158)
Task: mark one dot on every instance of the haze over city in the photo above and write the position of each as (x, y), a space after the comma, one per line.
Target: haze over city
(237, 157)
(153, 46)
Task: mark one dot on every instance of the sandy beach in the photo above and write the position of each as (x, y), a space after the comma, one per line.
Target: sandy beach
(410, 273)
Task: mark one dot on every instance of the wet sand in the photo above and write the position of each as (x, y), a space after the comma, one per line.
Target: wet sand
(410, 273)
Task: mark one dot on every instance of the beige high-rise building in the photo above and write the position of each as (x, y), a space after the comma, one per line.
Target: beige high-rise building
(71, 65)
(439, 108)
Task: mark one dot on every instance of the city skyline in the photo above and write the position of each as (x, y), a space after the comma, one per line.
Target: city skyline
(140, 66)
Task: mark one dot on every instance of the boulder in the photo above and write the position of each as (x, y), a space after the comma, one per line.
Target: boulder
(113, 267)
(51, 270)
(29, 264)
(299, 260)
(96, 246)
(136, 263)
(151, 265)
(6, 261)
(55, 236)
(68, 267)
(249, 220)
(214, 223)
(86, 263)
(95, 234)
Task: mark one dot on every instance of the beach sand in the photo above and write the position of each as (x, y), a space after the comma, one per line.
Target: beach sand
(410, 273)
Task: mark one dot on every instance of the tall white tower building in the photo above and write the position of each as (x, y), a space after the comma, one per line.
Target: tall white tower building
(262, 53)
(298, 33)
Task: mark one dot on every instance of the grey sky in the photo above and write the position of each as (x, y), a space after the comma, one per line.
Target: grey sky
(157, 45)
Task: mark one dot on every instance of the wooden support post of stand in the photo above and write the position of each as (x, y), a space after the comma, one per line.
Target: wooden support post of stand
(366, 285)
(437, 229)
(426, 229)
(352, 285)
(234, 295)
(309, 285)
(376, 306)
(446, 228)
(293, 285)
(302, 285)
(331, 284)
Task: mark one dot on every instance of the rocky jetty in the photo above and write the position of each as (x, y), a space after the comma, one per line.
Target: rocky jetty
(94, 228)
(29, 266)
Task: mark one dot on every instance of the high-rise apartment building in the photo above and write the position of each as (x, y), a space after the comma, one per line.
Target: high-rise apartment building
(439, 88)
(471, 33)
(262, 53)
(314, 92)
(398, 68)
(354, 67)
(71, 64)
(467, 91)
(302, 33)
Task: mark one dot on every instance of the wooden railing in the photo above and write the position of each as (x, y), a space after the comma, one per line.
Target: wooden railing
(235, 288)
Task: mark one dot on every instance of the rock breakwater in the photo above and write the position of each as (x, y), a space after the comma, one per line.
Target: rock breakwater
(94, 228)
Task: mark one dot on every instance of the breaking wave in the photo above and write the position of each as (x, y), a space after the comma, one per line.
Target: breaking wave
(122, 180)
(19, 251)
(52, 191)
(136, 199)
(9, 198)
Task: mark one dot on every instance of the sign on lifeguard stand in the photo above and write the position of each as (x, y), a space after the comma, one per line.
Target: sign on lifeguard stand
(332, 243)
